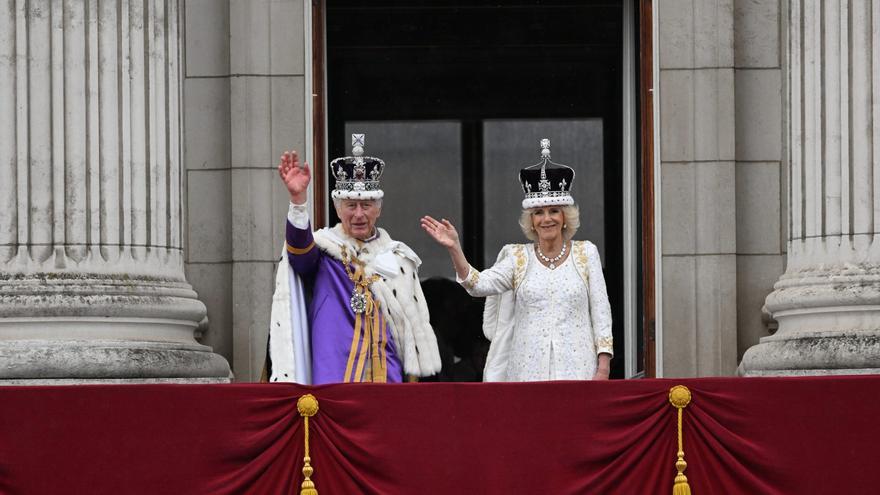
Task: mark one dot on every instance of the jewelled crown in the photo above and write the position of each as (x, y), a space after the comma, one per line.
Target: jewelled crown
(357, 176)
(546, 183)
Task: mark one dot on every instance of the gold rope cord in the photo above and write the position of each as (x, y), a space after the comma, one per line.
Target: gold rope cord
(307, 405)
(384, 347)
(355, 338)
(361, 361)
(377, 364)
(680, 397)
(370, 328)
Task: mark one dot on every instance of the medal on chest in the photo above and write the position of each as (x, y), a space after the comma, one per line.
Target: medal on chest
(361, 300)
(358, 302)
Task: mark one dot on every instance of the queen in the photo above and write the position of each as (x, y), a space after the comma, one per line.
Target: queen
(547, 312)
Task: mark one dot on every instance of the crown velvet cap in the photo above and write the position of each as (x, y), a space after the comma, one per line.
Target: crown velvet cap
(546, 183)
(357, 176)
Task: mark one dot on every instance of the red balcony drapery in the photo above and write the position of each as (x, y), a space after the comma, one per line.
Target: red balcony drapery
(741, 436)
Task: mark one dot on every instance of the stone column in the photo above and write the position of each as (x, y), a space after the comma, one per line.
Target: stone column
(92, 284)
(827, 303)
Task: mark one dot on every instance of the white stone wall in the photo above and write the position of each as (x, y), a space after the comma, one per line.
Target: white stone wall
(760, 176)
(723, 184)
(244, 104)
(698, 180)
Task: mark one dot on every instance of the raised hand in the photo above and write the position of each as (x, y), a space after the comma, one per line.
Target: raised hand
(295, 178)
(442, 231)
(445, 234)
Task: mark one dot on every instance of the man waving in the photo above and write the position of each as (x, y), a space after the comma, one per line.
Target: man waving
(366, 320)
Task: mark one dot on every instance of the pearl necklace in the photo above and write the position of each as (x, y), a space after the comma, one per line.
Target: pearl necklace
(551, 261)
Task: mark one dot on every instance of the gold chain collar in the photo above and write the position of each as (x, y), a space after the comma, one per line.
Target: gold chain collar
(362, 303)
(361, 297)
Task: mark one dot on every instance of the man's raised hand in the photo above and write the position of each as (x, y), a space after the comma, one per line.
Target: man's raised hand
(295, 178)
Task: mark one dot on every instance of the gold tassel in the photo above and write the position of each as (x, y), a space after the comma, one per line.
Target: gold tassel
(307, 405)
(680, 397)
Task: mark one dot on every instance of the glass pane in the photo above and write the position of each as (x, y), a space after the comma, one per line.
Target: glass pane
(422, 177)
(509, 145)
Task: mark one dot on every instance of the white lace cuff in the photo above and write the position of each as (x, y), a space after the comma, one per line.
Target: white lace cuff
(298, 215)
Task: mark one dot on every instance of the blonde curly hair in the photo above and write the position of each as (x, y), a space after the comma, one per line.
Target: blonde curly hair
(572, 216)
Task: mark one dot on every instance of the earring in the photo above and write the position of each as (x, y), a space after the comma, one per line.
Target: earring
(565, 226)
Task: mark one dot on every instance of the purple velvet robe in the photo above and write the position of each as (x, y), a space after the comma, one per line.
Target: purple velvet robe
(331, 319)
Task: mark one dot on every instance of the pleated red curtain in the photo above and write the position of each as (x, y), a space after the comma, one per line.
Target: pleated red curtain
(741, 436)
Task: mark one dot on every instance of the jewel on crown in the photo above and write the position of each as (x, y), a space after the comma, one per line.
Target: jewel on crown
(357, 174)
(545, 148)
(357, 149)
(544, 184)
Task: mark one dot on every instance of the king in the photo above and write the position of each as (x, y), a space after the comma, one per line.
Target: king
(348, 305)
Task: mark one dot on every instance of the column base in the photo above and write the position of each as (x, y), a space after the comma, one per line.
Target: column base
(39, 362)
(101, 328)
(828, 313)
(119, 381)
(819, 353)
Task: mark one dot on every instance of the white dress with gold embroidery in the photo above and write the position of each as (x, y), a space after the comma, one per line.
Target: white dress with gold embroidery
(560, 321)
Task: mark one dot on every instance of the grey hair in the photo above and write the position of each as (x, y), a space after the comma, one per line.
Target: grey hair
(337, 202)
(570, 213)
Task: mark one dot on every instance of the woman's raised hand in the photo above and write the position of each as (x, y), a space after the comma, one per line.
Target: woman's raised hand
(295, 178)
(445, 234)
(442, 231)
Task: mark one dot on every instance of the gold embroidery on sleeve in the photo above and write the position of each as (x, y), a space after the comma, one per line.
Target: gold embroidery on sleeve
(519, 270)
(298, 251)
(604, 343)
(473, 277)
(580, 257)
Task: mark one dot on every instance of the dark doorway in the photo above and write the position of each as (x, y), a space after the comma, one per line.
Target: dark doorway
(459, 94)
